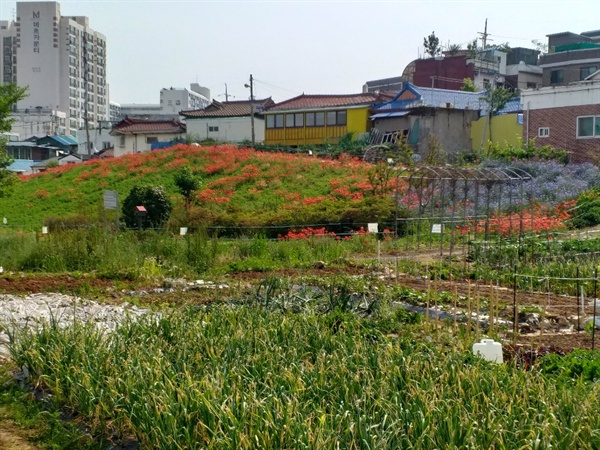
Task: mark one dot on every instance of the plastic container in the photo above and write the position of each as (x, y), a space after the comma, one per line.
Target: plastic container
(489, 350)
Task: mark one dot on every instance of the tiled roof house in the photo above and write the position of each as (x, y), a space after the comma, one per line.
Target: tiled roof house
(319, 119)
(228, 121)
(138, 135)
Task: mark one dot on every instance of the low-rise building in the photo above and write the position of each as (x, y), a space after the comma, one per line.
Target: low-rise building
(138, 135)
(319, 119)
(228, 121)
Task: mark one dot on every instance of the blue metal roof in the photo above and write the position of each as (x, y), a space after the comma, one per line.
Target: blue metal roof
(513, 106)
(65, 140)
(435, 98)
(21, 165)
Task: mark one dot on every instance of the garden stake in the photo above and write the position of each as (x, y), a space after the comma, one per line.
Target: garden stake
(455, 303)
(594, 314)
(477, 306)
(515, 314)
(577, 292)
(491, 307)
(469, 307)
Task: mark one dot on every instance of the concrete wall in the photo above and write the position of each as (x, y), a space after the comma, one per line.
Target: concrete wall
(136, 143)
(504, 130)
(452, 127)
(231, 129)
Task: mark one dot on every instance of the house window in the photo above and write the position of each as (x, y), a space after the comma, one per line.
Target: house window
(275, 121)
(336, 118)
(289, 121)
(543, 132)
(122, 141)
(557, 76)
(531, 85)
(315, 119)
(213, 129)
(588, 127)
(295, 120)
(585, 72)
(106, 144)
(151, 139)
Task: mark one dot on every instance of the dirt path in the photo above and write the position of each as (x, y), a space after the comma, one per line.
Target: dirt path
(12, 437)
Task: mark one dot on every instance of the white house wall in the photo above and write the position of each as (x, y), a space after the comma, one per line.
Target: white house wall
(231, 129)
(137, 143)
(561, 96)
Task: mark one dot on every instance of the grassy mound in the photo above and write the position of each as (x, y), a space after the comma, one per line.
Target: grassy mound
(240, 187)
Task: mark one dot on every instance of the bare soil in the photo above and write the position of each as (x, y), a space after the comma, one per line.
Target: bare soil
(557, 308)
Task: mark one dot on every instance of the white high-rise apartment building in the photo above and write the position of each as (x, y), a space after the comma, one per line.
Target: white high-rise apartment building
(62, 60)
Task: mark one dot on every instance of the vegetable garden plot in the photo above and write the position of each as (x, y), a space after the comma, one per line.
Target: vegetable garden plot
(448, 207)
(573, 311)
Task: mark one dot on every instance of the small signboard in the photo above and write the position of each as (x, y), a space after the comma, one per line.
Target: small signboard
(44, 230)
(111, 200)
(5, 221)
(436, 228)
(373, 227)
(182, 231)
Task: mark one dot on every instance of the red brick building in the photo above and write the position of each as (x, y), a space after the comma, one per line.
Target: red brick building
(565, 117)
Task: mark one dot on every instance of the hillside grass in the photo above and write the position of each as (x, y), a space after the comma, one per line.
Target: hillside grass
(240, 187)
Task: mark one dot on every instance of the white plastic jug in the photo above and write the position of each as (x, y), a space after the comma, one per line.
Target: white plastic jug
(489, 350)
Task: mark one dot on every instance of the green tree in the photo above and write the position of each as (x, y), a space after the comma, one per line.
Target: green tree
(454, 49)
(187, 183)
(468, 85)
(432, 44)
(472, 49)
(10, 94)
(156, 202)
(495, 98)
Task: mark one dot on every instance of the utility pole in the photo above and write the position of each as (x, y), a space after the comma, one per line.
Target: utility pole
(226, 94)
(251, 86)
(484, 35)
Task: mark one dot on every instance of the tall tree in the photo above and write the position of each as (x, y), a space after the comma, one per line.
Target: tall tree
(432, 45)
(10, 94)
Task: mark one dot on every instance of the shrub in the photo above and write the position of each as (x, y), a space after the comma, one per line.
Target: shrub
(587, 210)
(156, 202)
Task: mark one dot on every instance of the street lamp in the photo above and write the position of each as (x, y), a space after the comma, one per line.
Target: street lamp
(251, 86)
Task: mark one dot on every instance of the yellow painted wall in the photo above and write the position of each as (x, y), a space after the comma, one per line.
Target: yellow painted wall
(504, 131)
(357, 121)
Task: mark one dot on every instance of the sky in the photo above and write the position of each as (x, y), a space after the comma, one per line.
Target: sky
(293, 47)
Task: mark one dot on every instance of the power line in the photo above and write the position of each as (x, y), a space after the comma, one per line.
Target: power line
(295, 92)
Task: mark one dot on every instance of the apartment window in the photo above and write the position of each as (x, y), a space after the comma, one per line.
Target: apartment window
(588, 127)
(151, 139)
(336, 118)
(585, 72)
(543, 132)
(557, 76)
(213, 129)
